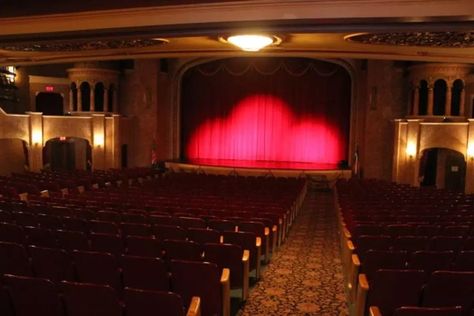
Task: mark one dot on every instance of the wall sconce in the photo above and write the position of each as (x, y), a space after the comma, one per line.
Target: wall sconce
(470, 150)
(99, 140)
(411, 149)
(37, 137)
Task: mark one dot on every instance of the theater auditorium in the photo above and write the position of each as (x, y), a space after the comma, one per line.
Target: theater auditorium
(237, 158)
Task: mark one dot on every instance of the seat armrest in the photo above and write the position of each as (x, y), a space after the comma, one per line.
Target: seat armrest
(225, 283)
(245, 274)
(362, 290)
(374, 311)
(194, 307)
(258, 245)
(353, 277)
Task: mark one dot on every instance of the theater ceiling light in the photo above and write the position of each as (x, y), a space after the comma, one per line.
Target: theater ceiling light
(252, 42)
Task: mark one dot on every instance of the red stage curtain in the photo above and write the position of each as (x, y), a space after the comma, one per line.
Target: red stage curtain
(266, 109)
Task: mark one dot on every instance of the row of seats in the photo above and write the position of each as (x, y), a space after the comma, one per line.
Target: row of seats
(391, 291)
(26, 296)
(210, 281)
(388, 226)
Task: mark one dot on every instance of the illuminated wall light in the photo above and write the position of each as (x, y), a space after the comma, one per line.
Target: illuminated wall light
(411, 149)
(98, 140)
(470, 150)
(37, 137)
(12, 74)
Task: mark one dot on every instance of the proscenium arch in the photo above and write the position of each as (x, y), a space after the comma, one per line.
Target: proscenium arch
(176, 98)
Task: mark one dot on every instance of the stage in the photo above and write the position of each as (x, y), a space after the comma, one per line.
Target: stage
(316, 172)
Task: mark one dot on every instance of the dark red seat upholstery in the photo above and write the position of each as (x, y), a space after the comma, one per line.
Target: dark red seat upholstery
(163, 232)
(53, 264)
(33, 296)
(107, 243)
(428, 311)
(145, 273)
(97, 267)
(14, 259)
(82, 299)
(430, 261)
(72, 240)
(143, 246)
(151, 303)
(202, 236)
(104, 227)
(135, 229)
(12, 233)
(411, 243)
(182, 250)
(383, 259)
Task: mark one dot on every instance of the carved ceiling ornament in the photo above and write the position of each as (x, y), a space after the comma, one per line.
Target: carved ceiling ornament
(82, 45)
(426, 39)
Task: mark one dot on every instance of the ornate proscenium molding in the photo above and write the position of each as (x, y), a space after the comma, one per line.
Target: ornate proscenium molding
(82, 45)
(426, 39)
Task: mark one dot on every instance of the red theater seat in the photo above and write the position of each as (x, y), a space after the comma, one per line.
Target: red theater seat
(98, 268)
(72, 240)
(247, 241)
(53, 264)
(145, 273)
(202, 235)
(182, 250)
(14, 259)
(107, 243)
(143, 246)
(33, 296)
(148, 303)
(163, 232)
(82, 299)
(205, 280)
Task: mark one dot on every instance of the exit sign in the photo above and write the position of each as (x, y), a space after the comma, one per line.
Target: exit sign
(49, 88)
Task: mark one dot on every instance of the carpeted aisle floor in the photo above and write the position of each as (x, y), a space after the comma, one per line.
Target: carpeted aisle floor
(305, 275)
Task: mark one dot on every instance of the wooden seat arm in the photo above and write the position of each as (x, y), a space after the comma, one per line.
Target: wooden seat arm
(362, 290)
(353, 277)
(374, 311)
(245, 274)
(194, 307)
(258, 245)
(267, 231)
(225, 283)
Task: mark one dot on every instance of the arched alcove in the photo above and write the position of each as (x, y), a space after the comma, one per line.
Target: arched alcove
(111, 93)
(49, 103)
(74, 96)
(423, 109)
(99, 97)
(439, 97)
(67, 153)
(442, 168)
(458, 86)
(85, 96)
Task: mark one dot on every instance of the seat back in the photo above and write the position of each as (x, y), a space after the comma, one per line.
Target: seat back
(441, 243)
(396, 230)
(135, 229)
(383, 259)
(411, 243)
(430, 261)
(163, 232)
(104, 227)
(192, 222)
(450, 288)
(33, 296)
(190, 278)
(245, 240)
(464, 261)
(14, 259)
(107, 243)
(97, 267)
(202, 235)
(143, 246)
(428, 311)
(147, 303)
(53, 264)
(364, 243)
(144, 273)
(12, 233)
(390, 289)
(222, 225)
(41, 237)
(82, 299)
(182, 250)
(226, 256)
(72, 240)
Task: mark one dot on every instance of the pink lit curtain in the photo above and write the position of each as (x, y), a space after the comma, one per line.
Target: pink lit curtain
(266, 109)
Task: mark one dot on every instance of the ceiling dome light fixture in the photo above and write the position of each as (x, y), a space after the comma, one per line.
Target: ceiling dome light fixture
(252, 42)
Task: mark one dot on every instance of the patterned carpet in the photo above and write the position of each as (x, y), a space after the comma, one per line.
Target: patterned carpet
(304, 276)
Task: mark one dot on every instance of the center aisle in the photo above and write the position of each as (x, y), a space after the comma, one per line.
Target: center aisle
(305, 275)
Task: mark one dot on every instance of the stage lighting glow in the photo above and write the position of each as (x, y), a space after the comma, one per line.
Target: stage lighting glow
(263, 128)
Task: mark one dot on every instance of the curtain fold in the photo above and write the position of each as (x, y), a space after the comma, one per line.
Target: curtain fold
(266, 109)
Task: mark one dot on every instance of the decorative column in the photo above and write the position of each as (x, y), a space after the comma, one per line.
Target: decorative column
(469, 185)
(430, 99)
(114, 101)
(36, 141)
(92, 98)
(462, 101)
(71, 100)
(79, 99)
(98, 141)
(449, 95)
(416, 101)
(106, 100)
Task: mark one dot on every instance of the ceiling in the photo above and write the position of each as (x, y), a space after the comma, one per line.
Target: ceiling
(62, 31)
